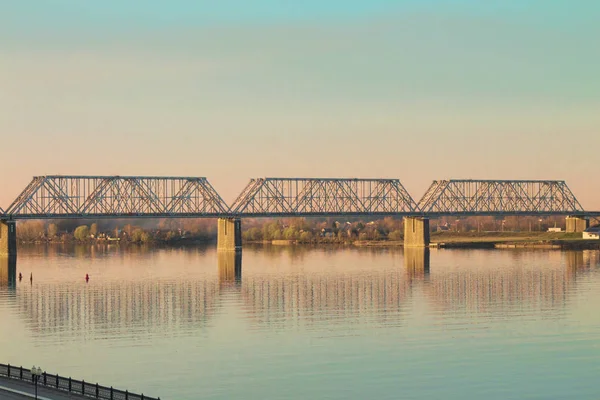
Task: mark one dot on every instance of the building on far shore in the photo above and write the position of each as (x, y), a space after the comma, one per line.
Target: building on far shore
(592, 233)
(554, 229)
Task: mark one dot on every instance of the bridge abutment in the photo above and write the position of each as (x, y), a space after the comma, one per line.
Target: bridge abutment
(8, 238)
(229, 234)
(416, 232)
(577, 224)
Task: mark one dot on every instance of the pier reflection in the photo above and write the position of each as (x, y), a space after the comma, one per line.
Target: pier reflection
(8, 272)
(230, 268)
(416, 262)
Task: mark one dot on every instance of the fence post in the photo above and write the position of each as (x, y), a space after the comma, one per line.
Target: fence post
(126, 395)
(69, 384)
(21, 372)
(9, 370)
(97, 390)
(57, 381)
(142, 396)
(45, 378)
(111, 393)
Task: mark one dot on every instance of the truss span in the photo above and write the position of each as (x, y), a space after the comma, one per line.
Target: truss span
(116, 196)
(315, 197)
(487, 197)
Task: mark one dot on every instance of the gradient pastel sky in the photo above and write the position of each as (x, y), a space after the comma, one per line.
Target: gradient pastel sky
(230, 90)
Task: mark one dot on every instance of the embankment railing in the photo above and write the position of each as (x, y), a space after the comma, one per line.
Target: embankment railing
(69, 385)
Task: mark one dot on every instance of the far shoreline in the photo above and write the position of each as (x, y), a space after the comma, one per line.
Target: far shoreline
(467, 240)
(439, 240)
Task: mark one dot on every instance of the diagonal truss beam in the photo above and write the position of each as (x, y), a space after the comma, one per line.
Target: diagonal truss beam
(117, 196)
(487, 197)
(315, 196)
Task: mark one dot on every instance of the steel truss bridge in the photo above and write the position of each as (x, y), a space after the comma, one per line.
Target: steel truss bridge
(49, 197)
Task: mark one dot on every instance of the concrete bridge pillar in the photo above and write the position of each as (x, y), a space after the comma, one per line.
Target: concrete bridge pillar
(577, 223)
(416, 232)
(8, 238)
(229, 234)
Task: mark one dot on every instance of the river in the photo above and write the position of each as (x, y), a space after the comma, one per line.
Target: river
(308, 323)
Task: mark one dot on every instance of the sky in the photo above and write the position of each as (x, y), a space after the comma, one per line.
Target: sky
(232, 90)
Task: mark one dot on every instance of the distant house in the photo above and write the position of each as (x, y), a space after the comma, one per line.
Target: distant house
(592, 233)
(554, 229)
(327, 232)
(443, 228)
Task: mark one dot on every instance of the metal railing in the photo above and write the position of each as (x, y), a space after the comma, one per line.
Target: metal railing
(69, 385)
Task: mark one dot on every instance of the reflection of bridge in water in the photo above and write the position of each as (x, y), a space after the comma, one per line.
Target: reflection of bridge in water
(334, 298)
(489, 289)
(380, 295)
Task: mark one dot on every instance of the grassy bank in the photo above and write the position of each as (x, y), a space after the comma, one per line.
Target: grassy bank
(499, 237)
(547, 240)
(510, 240)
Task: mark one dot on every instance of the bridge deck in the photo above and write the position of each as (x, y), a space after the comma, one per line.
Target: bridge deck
(18, 390)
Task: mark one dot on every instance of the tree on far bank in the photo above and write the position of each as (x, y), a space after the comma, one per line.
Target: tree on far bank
(30, 230)
(82, 233)
(52, 230)
(395, 235)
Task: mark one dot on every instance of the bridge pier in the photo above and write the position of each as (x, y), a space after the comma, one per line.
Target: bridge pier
(416, 232)
(229, 234)
(577, 223)
(8, 238)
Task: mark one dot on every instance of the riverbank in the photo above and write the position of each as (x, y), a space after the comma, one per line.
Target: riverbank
(471, 240)
(512, 240)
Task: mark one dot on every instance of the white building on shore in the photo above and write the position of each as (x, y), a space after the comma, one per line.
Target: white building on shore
(592, 233)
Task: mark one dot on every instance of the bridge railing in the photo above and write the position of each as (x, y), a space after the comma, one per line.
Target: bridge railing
(69, 385)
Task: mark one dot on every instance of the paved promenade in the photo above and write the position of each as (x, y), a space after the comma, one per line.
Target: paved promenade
(13, 389)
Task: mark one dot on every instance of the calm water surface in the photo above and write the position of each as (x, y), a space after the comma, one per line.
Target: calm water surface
(297, 323)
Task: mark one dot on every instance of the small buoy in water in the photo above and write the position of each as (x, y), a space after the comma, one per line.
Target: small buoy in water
(87, 277)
